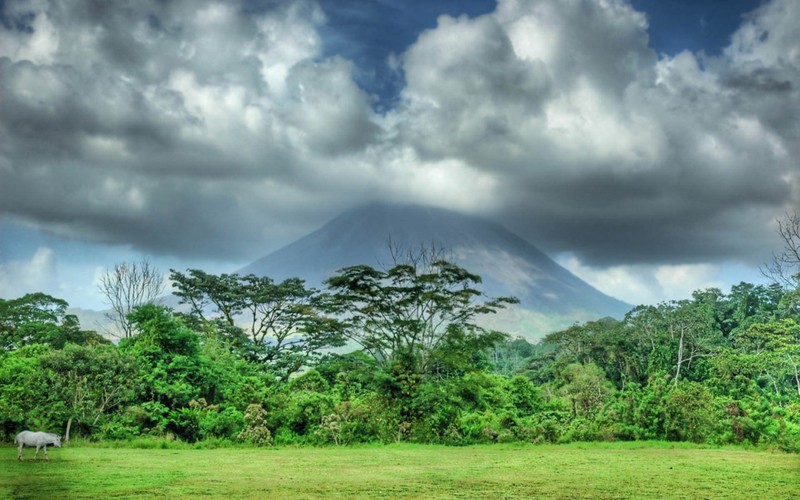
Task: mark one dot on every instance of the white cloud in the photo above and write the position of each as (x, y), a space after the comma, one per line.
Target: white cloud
(679, 281)
(648, 284)
(768, 36)
(20, 277)
(39, 46)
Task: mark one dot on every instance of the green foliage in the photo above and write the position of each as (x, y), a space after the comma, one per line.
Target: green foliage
(159, 334)
(421, 311)
(690, 413)
(350, 375)
(312, 380)
(284, 329)
(90, 381)
(172, 371)
(201, 421)
(525, 397)
(37, 318)
(24, 399)
(586, 388)
(716, 369)
(508, 358)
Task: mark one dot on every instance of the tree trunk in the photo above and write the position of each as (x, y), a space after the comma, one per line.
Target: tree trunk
(680, 359)
(69, 426)
(796, 375)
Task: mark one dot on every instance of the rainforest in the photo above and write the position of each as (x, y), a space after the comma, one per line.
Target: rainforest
(398, 355)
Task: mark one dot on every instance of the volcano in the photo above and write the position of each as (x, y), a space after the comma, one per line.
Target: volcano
(550, 297)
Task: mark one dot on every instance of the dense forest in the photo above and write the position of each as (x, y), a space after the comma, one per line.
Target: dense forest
(398, 355)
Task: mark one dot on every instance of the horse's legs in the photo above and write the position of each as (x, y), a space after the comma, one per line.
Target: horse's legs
(19, 451)
(37, 452)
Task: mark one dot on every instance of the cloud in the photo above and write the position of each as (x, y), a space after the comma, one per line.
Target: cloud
(768, 37)
(175, 127)
(599, 147)
(220, 130)
(647, 284)
(19, 277)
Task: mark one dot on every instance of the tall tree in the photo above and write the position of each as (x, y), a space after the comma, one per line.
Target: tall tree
(673, 335)
(172, 371)
(409, 310)
(778, 344)
(605, 343)
(748, 304)
(690, 325)
(127, 286)
(284, 328)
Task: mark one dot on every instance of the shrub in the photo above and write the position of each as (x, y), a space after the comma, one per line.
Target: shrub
(255, 429)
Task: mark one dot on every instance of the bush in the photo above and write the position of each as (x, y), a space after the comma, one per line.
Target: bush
(690, 413)
(224, 424)
(255, 429)
(149, 418)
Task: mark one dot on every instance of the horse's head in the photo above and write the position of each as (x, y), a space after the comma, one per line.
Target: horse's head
(57, 442)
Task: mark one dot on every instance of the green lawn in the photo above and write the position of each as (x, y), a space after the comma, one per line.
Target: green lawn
(625, 470)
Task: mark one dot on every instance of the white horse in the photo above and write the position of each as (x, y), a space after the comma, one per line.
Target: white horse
(37, 439)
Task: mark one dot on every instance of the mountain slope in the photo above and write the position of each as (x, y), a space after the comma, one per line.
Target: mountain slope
(550, 296)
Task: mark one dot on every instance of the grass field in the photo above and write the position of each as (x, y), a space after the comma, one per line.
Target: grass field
(624, 470)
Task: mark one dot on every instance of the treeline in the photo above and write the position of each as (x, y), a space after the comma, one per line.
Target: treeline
(246, 359)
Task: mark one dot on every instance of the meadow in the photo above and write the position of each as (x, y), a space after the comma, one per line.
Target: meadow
(597, 471)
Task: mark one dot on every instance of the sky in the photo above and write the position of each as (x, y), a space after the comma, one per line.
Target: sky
(648, 146)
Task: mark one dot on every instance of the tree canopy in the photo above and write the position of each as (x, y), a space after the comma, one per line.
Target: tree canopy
(255, 361)
(423, 312)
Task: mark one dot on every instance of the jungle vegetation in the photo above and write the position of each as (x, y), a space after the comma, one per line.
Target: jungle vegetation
(398, 355)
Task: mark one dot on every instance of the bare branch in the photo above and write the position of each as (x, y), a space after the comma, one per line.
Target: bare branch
(127, 286)
(784, 267)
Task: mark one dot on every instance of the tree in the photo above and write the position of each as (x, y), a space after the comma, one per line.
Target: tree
(283, 326)
(691, 326)
(127, 286)
(172, 370)
(283, 322)
(779, 343)
(24, 391)
(745, 305)
(70, 332)
(784, 268)
(689, 413)
(586, 388)
(647, 353)
(90, 381)
(31, 319)
(200, 290)
(672, 335)
(409, 309)
(508, 357)
(605, 343)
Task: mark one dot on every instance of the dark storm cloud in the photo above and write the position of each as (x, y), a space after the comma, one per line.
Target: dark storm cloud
(222, 129)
